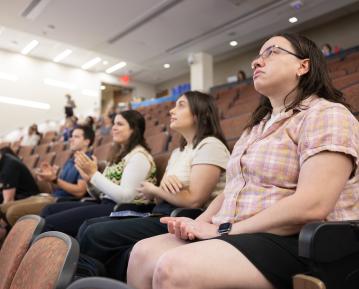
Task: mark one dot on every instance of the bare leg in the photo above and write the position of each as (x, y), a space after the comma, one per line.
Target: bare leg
(207, 264)
(144, 257)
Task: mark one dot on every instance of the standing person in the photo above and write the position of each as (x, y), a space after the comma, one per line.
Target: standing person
(33, 136)
(69, 106)
(195, 174)
(296, 162)
(130, 164)
(68, 184)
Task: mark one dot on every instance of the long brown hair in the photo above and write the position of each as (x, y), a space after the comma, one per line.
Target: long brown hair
(315, 82)
(205, 111)
(138, 125)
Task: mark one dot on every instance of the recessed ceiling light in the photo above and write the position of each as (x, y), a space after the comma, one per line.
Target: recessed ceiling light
(62, 55)
(29, 47)
(105, 62)
(293, 19)
(233, 43)
(91, 63)
(116, 67)
(166, 65)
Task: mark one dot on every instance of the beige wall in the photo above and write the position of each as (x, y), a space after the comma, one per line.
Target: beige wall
(30, 86)
(342, 32)
(185, 78)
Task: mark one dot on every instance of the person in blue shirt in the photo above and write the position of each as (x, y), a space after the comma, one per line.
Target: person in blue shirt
(68, 184)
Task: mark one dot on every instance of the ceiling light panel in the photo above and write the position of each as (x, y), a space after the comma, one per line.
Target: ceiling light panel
(62, 55)
(117, 66)
(26, 50)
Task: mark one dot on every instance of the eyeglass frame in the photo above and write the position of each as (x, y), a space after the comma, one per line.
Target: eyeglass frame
(270, 48)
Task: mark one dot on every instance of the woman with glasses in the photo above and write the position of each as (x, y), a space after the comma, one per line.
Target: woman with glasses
(295, 163)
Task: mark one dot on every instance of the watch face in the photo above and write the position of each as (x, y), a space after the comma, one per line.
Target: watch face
(224, 228)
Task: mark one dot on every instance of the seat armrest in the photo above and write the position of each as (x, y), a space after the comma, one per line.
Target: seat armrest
(329, 241)
(185, 212)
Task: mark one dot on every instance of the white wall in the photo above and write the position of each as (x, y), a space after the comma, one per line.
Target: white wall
(30, 86)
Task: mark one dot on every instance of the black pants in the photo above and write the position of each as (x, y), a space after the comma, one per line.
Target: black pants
(67, 217)
(110, 240)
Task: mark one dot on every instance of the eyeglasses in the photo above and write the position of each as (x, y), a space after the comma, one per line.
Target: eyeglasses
(270, 50)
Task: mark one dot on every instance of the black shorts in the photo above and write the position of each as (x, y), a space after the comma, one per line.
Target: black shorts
(276, 257)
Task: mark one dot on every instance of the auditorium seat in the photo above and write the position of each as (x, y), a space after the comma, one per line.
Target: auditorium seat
(347, 80)
(61, 158)
(333, 251)
(47, 158)
(158, 142)
(106, 139)
(30, 161)
(233, 127)
(161, 161)
(48, 137)
(175, 141)
(41, 149)
(4, 144)
(25, 151)
(58, 146)
(49, 263)
(154, 130)
(15, 246)
(102, 152)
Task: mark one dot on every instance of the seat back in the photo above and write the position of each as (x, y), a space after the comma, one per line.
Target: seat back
(50, 263)
(98, 283)
(161, 161)
(15, 246)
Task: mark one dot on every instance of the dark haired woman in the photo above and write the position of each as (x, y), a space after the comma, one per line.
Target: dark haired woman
(130, 165)
(296, 162)
(195, 174)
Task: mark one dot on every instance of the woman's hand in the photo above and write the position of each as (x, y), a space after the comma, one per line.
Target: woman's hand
(147, 190)
(171, 184)
(188, 229)
(86, 166)
(84, 176)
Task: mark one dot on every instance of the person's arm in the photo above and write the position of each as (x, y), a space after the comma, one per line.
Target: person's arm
(49, 174)
(321, 180)
(8, 195)
(133, 174)
(212, 209)
(78, 190)
(203, 180)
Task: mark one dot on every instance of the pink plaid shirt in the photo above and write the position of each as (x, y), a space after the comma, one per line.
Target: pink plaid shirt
(265, 164)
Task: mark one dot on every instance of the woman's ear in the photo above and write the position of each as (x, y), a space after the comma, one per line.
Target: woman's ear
(304, 67)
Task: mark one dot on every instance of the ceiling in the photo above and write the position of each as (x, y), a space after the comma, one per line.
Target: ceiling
(149, 33)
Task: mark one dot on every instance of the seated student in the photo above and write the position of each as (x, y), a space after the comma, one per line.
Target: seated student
(195, 175)
(16, 181)
(241, 75)
(32, 137)
(326, 49)
(67, 185)
(296, 162)
(130, 165)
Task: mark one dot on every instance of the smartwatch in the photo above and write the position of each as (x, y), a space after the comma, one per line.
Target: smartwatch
(224, 228)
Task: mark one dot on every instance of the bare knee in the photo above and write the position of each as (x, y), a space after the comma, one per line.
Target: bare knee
(138, 259)
(170, 273)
